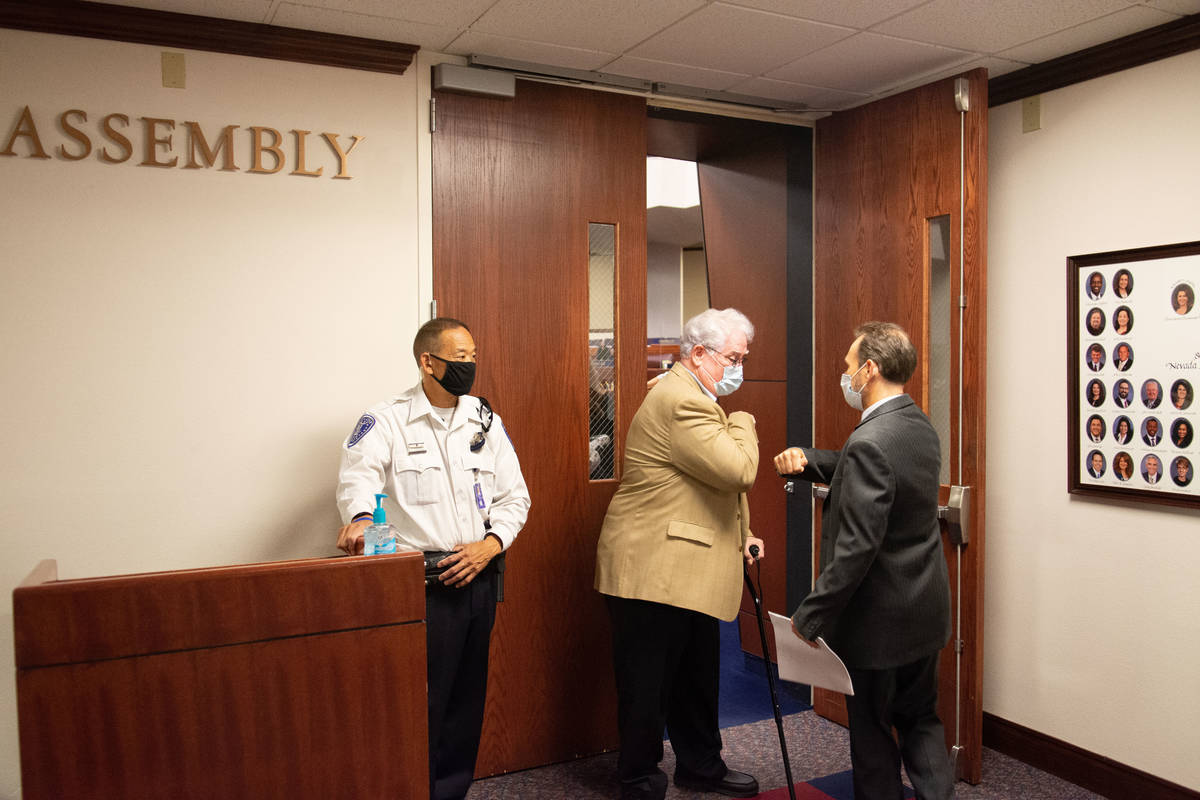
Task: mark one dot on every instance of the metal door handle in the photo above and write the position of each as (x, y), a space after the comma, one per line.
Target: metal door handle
(957, 515)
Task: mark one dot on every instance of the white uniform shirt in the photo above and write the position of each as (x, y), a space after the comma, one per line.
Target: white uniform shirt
(431, 484)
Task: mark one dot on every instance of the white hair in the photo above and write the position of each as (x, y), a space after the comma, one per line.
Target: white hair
(711, 328)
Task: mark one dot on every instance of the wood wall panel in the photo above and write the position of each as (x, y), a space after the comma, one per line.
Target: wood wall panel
(515, 184)
(93, 619)
(334, 708)
(881, 171)
(307, 717)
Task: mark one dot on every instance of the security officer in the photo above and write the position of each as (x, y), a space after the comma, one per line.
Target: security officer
(453, 484)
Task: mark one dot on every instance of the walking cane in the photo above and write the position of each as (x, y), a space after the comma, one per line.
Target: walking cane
(762, 632)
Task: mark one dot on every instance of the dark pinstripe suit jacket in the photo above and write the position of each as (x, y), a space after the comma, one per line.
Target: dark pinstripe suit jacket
(883, 597)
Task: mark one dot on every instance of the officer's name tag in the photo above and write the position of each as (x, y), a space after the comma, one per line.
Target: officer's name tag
(415, 448)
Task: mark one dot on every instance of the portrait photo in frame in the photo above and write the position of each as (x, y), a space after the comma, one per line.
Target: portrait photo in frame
(1131, 420)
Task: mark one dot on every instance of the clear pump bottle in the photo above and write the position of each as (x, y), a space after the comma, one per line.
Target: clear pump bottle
(380, 537)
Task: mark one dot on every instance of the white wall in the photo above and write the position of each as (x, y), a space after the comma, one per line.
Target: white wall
(662, 291)
(1092, 626)
(184, 350)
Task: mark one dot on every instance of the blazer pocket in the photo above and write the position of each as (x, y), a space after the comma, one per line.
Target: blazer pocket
(677, 529)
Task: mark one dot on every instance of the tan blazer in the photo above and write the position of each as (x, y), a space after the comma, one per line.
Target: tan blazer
(675, 529)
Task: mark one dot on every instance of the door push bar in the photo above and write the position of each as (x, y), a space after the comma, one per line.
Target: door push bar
(956, 513)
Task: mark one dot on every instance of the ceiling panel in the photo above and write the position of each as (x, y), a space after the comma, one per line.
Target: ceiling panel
(456, 14)
(604, 25)
(241, 10)
(851, 13)
(471, 43)
(1081, 37)
(433, 37)
(665, 72)
(829, 54)
(734, 39)
(816, 97)
(868, 62)
(990, 26)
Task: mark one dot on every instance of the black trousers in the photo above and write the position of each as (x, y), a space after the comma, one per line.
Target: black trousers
(904, 698)
(458, 630)
(667, 663)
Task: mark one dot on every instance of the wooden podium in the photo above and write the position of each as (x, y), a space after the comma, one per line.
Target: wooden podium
(295, 679)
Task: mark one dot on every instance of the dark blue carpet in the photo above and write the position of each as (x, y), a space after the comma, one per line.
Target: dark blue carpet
(745, 696)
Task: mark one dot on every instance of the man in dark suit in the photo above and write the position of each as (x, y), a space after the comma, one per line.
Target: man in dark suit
(882, 600)
(1124, 359)
(1121, 395)
(1151, 436)
(1151, 473)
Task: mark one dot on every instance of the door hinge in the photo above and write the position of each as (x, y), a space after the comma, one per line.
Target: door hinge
(433, 115)
(433, 309)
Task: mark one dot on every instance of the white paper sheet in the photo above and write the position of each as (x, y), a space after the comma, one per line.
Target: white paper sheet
(800, 663)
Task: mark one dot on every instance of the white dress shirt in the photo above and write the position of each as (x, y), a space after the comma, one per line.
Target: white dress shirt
(435, 484)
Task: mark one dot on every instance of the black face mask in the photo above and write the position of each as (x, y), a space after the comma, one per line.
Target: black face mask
(458, 377)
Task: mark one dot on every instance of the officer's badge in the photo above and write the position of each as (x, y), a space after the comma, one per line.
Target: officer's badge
(485, 424)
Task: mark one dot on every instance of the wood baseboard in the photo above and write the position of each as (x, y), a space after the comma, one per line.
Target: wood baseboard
(1093, 772)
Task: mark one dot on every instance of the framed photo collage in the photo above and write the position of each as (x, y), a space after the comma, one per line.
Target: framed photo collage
(1134, 370)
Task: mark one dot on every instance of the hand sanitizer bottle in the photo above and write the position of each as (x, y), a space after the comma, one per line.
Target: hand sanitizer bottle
(379, 537)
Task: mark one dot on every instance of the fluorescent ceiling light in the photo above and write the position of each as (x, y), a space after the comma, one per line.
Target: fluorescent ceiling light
(671, 182)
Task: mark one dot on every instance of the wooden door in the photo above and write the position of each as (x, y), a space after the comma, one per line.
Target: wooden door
(515, 185)
(882, 172)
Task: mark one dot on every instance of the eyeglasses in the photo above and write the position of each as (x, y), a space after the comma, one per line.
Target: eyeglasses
(734, 361)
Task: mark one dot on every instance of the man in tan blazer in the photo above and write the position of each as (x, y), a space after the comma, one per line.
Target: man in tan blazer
(670, 557)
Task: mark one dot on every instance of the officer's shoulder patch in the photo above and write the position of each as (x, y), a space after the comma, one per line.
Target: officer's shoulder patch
(361, 429)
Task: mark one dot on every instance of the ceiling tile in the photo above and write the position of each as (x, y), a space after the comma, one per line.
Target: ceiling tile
(817, 98)
(664, 72)
(994, 66)
(866, 62)
(431, 37)
(733, 39)
(1184, 7)
(455, 14)
(989, 26)
(851, 13)
(242, 10)
(471, 43)
(606, 25)
(1081, 37)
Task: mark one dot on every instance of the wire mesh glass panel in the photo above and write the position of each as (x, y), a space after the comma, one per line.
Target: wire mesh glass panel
(602, 347)
(941, 335)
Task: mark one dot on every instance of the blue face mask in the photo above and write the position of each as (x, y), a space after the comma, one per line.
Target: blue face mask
(731, 378)
(854, 398)
(730, 381)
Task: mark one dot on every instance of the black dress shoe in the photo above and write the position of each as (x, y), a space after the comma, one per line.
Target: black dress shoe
(733, 784)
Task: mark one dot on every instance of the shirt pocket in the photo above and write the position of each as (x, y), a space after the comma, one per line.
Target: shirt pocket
(678, 529)
(481, 469)
(418, 479)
